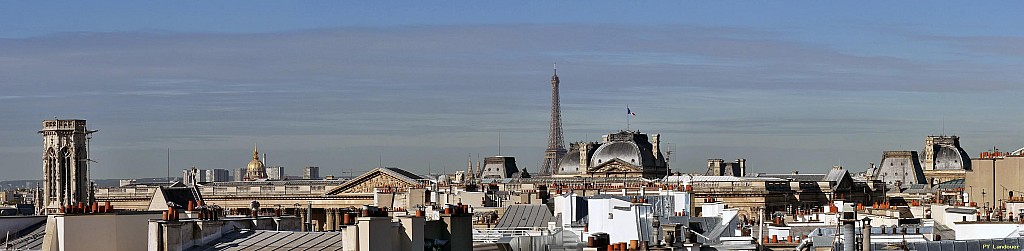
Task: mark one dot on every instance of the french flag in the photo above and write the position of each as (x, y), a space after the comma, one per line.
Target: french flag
(630, 112)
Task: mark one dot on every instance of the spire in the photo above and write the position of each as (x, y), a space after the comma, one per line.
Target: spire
(554, 76)
(255, 151)
(469, 159)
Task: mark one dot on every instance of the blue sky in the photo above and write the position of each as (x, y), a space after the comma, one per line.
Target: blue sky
(786, 85)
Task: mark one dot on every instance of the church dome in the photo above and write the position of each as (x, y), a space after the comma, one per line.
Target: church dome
(255, 164)
(255, 170)
(626, 151)
(570, 163)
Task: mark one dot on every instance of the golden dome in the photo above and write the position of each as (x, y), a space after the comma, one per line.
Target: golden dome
(255, 170)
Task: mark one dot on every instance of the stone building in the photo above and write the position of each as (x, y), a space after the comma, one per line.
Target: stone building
(65, 164)
(993, 177)
(788, 192)
(275, 173)
(311, 173)
(719, 167)
(943, 159)
(622, 154)
(499, 167)
(899, 169)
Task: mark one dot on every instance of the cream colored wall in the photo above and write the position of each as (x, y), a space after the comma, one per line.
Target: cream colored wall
(1008, 173)
(104, 232)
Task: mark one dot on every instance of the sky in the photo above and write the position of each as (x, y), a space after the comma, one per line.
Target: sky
(349, 86)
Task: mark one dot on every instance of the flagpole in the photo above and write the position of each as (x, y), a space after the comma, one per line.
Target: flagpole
(627, 117)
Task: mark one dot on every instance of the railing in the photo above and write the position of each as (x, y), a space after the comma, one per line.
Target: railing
(492, 235)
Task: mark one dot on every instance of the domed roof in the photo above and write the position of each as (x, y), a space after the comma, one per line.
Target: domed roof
(570, 163)
(626, 151)
(255, 169)
(255, 164)
(949, 157)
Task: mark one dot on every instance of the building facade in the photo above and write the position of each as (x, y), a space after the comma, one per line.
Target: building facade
(899, 169)
(311, 173)
(275, 173)
(217, 175)
(719, 167)
(993, 177)
(621, 154)
(943, 159)
(499, 167)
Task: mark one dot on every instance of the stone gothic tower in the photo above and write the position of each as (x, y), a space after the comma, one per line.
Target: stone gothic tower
(65, 164)
(556, 149)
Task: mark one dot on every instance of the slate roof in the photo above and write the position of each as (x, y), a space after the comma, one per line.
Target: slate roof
(30, 238)
(404, 173)
(274, 240)
(836, 175)
(525, 216)
(276, 182)
(178, 195)
(792, 177)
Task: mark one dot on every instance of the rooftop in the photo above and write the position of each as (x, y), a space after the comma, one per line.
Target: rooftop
(274, 240)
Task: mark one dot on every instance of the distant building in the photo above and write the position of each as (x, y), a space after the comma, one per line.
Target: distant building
(239, 174)
(499, 167)
(718, 167)
(193, 176)
(275, 173)
(994, 176)
(621, 154)
(899, 169)
(311, 173)
(943, 159)
(125, 182)
(217, 175)
(6, 197)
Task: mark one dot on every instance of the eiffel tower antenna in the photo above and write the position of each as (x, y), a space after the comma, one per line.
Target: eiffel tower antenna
(556, 148)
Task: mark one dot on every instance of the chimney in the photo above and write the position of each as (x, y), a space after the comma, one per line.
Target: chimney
(866, 234)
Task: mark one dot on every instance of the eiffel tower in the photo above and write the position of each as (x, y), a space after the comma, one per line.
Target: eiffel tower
(556, 144)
